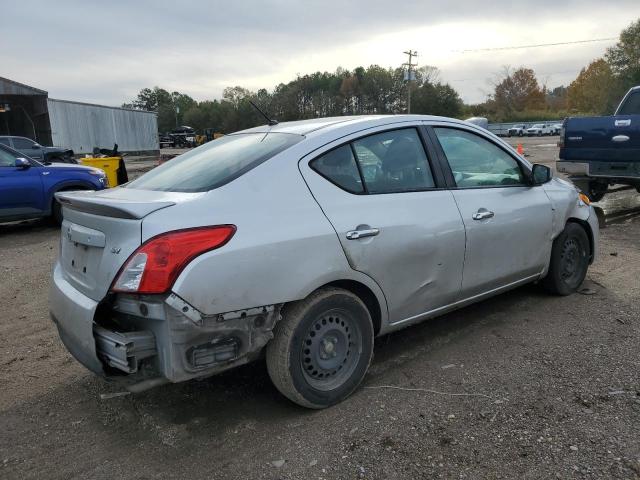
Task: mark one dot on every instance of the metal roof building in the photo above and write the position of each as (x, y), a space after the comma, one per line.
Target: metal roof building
(29, 112)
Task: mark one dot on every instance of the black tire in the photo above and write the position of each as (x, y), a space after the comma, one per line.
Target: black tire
(322, 348)
(521, 134)
(569, 261)
(56, 212)
(539, 134)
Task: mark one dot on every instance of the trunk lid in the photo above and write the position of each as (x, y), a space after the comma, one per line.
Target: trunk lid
(101, 230)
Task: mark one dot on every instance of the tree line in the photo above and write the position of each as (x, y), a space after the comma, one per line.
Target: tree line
(322, 94)
(517, 94)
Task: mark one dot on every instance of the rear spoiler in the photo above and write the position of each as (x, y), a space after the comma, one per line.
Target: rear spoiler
(88, 202)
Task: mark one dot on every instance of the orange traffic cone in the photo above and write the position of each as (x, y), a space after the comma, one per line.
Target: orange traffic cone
(520, 149)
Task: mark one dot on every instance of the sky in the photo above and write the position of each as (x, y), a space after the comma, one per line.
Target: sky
(106, 51)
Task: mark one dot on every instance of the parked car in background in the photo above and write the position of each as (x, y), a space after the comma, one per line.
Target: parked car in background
(27, 187)
(517, 131)
(34, 150)
(307, 239)
(556, 127)
(539, 130)
(600, 151)
(166, 141)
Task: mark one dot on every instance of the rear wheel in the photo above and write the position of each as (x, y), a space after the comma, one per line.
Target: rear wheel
(569, 261)
(322, 348)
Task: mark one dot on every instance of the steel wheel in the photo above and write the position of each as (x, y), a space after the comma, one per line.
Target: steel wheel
(569, 261)
(331, 349)
(322, 348)
(572, 259)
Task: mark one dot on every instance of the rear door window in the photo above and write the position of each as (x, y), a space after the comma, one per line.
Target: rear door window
(215, 163)
(340, 168)
(389, 162)
(4, 141)
(394, 161)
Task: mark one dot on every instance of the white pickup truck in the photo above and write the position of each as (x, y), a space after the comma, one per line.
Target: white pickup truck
(540, 129)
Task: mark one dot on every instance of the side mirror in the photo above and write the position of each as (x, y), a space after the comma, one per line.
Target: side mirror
(22, 163)
(540, 174)
(36, 146)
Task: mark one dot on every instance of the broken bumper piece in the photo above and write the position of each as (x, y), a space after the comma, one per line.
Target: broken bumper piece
(124, 351)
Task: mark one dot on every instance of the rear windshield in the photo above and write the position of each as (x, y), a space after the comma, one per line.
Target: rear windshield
(215, 163)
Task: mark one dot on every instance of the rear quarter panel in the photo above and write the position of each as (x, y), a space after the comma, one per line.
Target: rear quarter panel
(284, 247)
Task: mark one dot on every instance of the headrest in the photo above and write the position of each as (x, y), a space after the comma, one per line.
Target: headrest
(402, 153)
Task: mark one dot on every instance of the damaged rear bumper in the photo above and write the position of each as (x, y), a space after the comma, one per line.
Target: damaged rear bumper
(148, 340)
(73, 313)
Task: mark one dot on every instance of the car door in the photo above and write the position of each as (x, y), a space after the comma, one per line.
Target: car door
(395, 220)
(508, 222)
(28, 147)
(21, 190)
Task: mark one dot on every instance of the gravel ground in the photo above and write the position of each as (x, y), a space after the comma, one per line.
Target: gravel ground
(523, 385)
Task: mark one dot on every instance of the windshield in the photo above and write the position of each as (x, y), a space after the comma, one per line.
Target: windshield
(537, 126)
(215, 163)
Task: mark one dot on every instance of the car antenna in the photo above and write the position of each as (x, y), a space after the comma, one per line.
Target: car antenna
(270, 121)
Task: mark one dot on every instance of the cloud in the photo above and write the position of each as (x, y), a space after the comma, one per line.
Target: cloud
(107, 51)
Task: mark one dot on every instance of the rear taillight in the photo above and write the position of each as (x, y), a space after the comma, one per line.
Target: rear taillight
(156, 264)
(562, 130)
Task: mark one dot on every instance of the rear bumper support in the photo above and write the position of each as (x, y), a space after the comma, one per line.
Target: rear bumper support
(124, 350)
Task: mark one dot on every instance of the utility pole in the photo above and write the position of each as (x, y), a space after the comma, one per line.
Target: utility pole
(409, 66)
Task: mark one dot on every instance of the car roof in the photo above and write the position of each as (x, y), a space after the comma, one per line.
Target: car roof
(17, 136)
(322, 125)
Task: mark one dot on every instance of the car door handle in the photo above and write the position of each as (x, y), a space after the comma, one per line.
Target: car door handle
(482, 214)
(356, 234)
(620, 138)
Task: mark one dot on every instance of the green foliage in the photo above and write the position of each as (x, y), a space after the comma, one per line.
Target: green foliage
(171, 107)
(624, 56)
(596, 89)
(372, 90)
(518, 91)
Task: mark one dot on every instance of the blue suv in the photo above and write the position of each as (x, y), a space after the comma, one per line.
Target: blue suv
(27, 187)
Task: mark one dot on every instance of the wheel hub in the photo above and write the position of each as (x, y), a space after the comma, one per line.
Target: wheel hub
(330, 348)
(569, 258)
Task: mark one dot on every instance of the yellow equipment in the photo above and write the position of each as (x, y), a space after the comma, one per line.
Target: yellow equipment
(110, 166)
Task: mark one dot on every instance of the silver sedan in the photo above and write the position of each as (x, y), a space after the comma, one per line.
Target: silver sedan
(303, 241)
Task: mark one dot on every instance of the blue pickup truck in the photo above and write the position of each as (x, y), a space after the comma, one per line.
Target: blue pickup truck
(27, 186)
(600, 151)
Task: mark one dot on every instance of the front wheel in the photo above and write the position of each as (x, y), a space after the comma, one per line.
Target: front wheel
(322, 348)
(569, 261)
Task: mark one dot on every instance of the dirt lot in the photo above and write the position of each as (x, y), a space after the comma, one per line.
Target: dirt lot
(522, 385)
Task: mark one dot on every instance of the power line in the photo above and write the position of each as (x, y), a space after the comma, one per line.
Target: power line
(493, 49)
